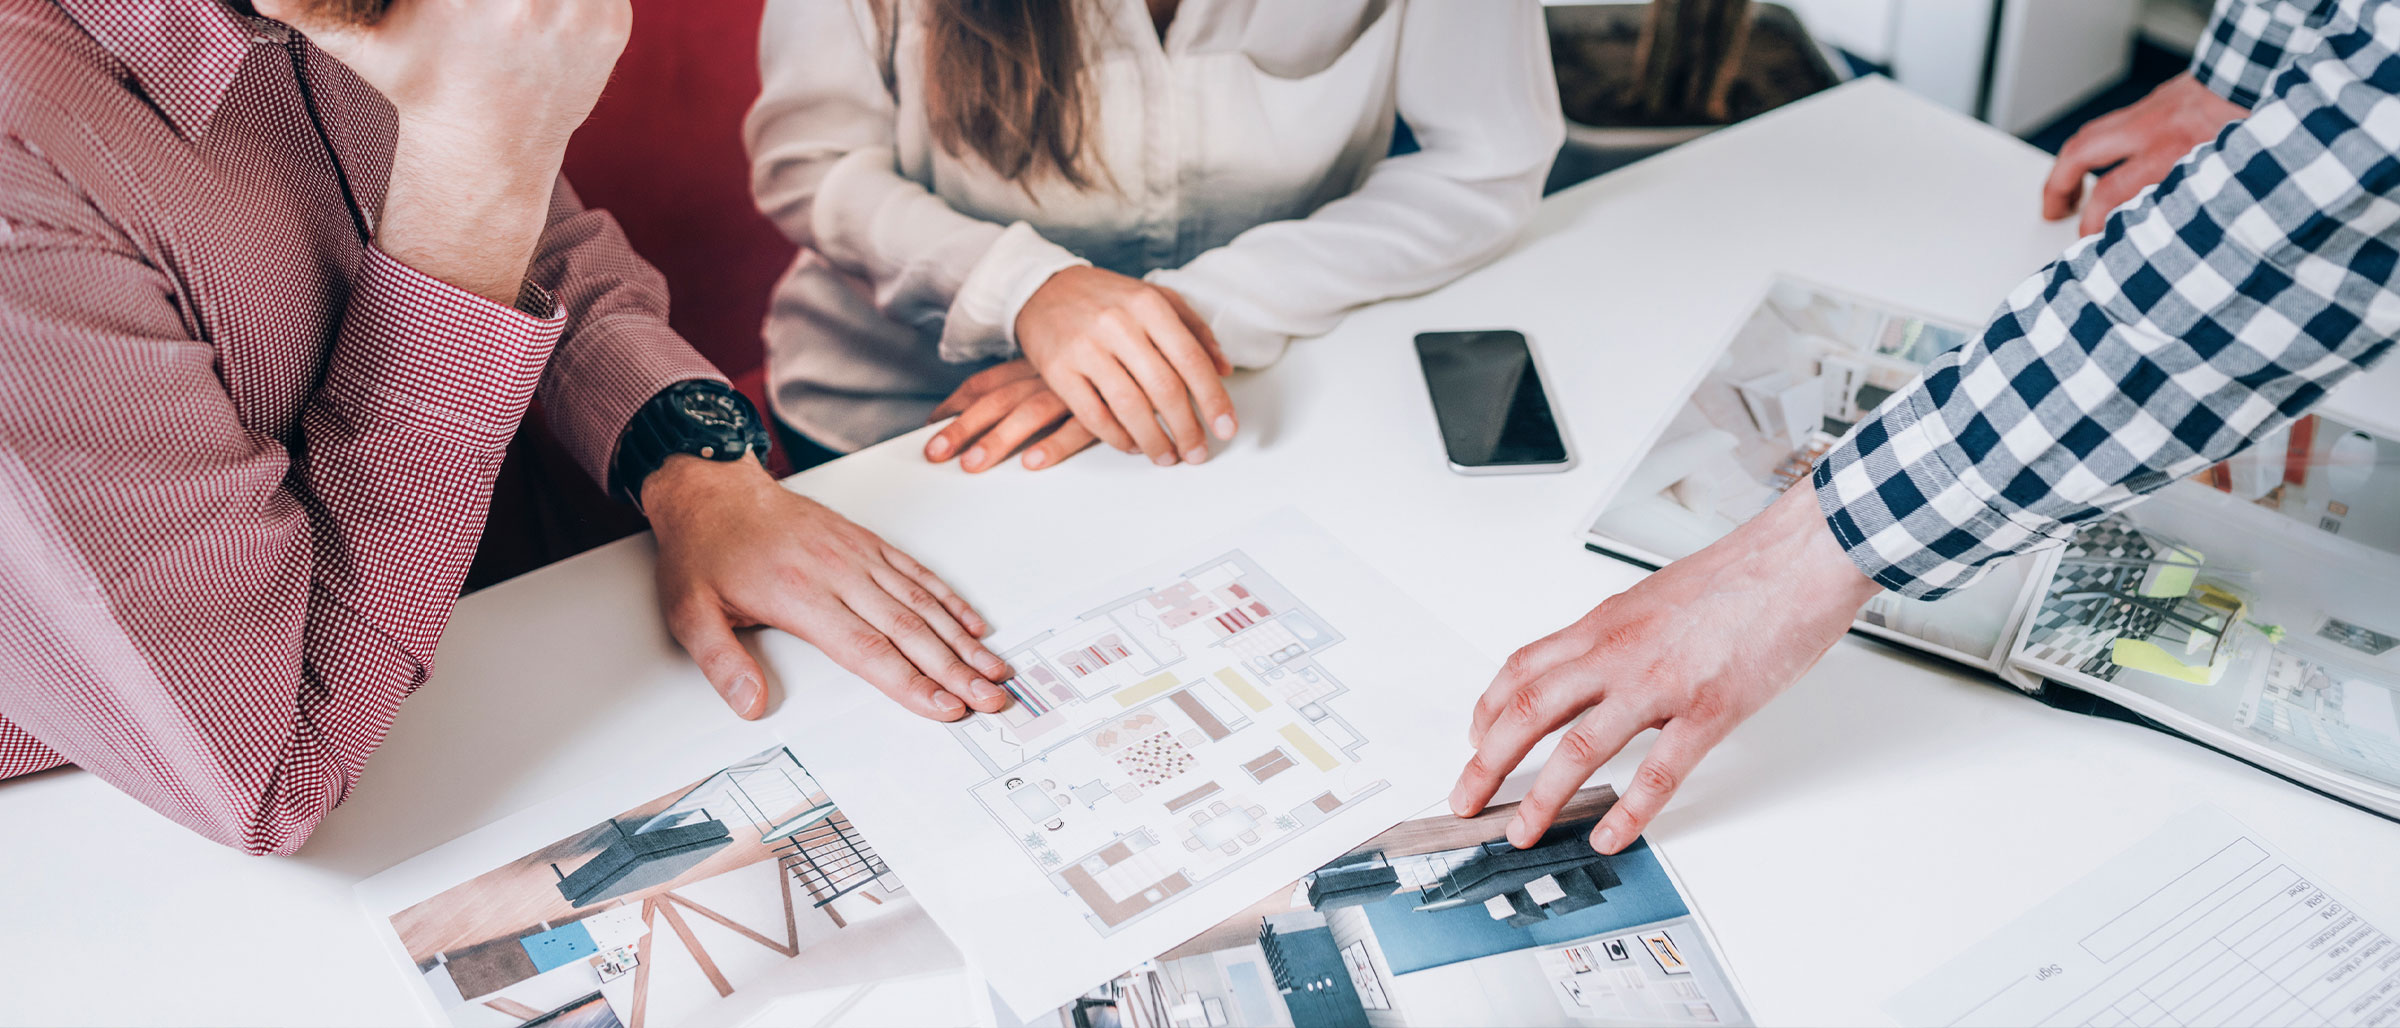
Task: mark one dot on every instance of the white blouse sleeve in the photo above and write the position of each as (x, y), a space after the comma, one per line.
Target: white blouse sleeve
(1476, 87)
(824, 167)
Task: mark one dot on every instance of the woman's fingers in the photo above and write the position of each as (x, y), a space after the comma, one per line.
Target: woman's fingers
(1033, 416)
(1132, 409)
(1184, 375)
(1208, 390)
(1164, 386)
(1090, 410)
(978, 418)
(1070, 439)
(980, 384)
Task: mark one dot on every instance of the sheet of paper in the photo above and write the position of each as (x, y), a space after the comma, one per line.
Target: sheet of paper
(2202, 923)
(1439, 921)
(712, 882)
(1183, 740)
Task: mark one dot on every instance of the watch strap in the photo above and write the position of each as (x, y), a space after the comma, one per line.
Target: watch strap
(666, 426)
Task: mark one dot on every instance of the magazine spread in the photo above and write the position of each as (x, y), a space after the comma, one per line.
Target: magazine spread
(2251, 608)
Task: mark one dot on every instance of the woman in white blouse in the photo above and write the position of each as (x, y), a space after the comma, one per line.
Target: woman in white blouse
(1067, 219)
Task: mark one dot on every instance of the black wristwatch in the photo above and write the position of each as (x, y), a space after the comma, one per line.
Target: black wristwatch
(702, 417)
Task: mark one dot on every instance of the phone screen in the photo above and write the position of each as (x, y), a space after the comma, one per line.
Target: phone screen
(1489, 399)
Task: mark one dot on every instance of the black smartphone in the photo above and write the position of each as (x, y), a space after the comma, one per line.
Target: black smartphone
(1488, 397)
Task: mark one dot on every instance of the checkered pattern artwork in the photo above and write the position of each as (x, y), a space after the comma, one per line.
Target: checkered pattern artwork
(1154, 760)
(2076, 632)
(2211, 310)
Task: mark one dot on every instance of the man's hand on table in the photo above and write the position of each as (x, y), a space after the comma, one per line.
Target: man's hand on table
(1000, 410)
(736, 550)
(1691, 651)
(486, 93)
(2134, 148)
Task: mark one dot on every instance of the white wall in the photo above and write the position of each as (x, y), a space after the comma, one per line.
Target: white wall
(2054, 55)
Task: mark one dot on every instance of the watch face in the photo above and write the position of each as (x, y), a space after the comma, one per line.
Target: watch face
(714, 410)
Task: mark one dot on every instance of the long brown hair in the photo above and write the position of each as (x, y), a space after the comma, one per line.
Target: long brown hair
(1004, 80)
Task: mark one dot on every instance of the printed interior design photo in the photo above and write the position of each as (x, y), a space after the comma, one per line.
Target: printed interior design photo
(1806, 365)
(1439, 920)
(2256, 595)
(683, 907)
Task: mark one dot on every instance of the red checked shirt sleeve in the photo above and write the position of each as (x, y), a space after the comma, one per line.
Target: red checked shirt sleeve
(618, 351)
(218, 624)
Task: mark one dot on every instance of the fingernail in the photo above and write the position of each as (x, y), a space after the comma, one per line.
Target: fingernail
(992, 664)
(744, 693)
(1164, 460)
(948, 706)
(973, 459)
(1225, 426)
(1458, 801)
(1605, 840)
(939, 448)
(1517, 833)
(988, 695)
(1196, 455)
(1034, 459)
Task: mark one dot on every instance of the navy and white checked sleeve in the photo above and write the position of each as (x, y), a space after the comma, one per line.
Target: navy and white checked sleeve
(2248, 40)
(2211, 310)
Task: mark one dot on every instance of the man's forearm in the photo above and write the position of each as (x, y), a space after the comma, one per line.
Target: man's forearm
(468, 222)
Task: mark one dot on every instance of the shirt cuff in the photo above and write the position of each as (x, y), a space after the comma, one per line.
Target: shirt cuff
(425, 354)
(1246, 343)
(1905, 515)
(982, 322)
(602, 376)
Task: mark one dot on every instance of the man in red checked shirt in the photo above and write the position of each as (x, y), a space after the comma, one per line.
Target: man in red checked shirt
(276, 286)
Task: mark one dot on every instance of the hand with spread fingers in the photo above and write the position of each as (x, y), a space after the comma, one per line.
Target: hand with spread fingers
(2133, 149)
(735, 550)
(1125, 355)
(1690, 651)
(1000, 410)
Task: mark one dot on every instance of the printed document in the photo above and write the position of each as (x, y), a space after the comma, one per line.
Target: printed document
(1180, 742)
(2203, 923)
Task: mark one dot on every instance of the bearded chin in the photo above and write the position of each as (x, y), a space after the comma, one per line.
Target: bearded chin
(340, 12)
(353, 12)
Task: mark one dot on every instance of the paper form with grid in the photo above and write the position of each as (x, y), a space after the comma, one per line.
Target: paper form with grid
(2204, 923)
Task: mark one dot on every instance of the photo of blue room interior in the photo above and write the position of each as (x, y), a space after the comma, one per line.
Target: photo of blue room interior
(1435, 919)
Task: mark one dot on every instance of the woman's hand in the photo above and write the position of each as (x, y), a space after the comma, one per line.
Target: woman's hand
(1001, 409)
(1124, 354)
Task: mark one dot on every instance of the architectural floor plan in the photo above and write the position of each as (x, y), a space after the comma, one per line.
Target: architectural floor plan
(1168, 737)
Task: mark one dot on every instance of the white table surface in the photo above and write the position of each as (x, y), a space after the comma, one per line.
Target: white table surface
(1876, 820)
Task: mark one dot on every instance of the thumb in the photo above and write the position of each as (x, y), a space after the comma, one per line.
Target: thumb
(709, 638)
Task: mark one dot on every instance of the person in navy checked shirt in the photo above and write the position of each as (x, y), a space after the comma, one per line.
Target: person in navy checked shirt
(2239, 262)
